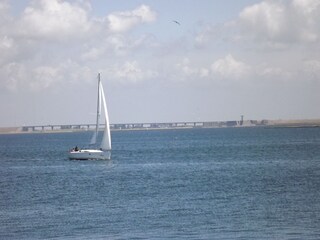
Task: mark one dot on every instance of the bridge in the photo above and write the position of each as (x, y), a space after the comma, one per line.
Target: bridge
(133, 126)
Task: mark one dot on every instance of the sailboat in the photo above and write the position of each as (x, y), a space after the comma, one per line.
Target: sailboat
(104, 152)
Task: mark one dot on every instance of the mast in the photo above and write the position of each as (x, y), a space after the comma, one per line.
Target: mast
(95, 135)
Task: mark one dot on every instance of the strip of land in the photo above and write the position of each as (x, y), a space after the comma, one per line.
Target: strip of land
(171, 125)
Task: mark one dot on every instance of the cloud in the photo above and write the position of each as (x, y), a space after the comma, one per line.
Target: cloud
(11, 74)
(5, 19)
(4, 8)
(312, 68)
(283, 22)
(124, 21)
(7, 49)
(44, 76)
(6, 43)
(40, 77)
(270, 37)
(130, 72)
(92, 54)
(17, 76)
(187, 70)
(53, 19)
(273, 24)
(210, 34)
(230, 68)
(47, 36)
(226, 68)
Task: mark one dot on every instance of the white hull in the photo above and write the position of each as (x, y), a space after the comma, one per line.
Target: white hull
(88, 154)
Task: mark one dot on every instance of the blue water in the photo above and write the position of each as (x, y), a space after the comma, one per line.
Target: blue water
(237, 183)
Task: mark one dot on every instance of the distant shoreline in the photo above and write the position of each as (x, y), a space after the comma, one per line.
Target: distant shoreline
(166, 126)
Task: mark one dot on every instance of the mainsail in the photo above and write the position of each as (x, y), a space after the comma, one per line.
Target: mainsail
(95, 134)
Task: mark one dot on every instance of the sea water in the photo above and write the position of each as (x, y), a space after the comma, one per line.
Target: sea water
(233, 183)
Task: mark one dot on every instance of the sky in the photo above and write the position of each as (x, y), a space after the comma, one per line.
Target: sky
(223, 59)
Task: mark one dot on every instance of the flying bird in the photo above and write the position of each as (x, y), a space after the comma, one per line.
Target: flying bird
(176, 22)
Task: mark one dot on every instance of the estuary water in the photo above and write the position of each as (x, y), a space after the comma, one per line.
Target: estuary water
(233, 183)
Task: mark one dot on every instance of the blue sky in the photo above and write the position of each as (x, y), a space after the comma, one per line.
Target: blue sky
(226, 58)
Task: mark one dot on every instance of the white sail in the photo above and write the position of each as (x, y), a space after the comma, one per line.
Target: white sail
(94, 138)
(106, 139)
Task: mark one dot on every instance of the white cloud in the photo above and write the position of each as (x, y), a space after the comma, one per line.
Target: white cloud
(11, 75)
(124, 21)
(271, 37)
(4, 7)
(130, 72)
(44, 76)
(210, 34)
(17, 75)
(118, 44)
(36, 77)
(92, 54)
(275, 24)
(227, 68)
(5, 19)
(53, 19)
(187, 70)
(6, 43)
(307, 7)
(284, 22)
(312, 68)
(269, 16)
(7, 49)
(37, 45)
(230, 68)
(273, 73)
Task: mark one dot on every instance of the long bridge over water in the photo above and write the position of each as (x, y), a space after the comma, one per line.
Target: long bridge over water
(132, 126)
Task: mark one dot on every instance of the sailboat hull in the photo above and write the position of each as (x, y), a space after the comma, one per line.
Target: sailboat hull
(89, 154)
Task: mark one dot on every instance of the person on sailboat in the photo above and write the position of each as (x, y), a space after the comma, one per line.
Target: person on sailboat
(76, 149)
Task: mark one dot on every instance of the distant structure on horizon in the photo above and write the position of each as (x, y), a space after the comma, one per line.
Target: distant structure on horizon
(241, 121)
(146, 126)
(170, 125)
